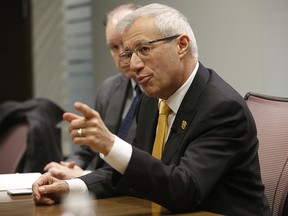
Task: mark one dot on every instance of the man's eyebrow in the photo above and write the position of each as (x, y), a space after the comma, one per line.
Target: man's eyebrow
(134, 45)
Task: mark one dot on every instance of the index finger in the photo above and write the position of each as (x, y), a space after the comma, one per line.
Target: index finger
(86, 111)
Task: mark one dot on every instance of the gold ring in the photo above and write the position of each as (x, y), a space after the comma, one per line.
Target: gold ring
(79, 131)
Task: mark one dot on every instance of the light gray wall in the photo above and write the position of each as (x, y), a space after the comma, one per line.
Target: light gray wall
(48, 50)
(62, 52)
(274, 49)
(245, 41)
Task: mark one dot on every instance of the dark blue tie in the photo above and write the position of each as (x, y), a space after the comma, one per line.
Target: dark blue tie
(127, 121)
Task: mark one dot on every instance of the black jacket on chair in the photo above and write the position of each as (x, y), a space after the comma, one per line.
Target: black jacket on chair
(44, 138)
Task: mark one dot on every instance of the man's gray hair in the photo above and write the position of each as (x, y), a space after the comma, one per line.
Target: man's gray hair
(129, 6)
(168, 21)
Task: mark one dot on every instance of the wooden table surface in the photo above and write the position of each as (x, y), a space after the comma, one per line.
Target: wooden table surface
(124, 205)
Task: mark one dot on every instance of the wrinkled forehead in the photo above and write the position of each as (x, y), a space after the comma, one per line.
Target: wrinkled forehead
(141, 30)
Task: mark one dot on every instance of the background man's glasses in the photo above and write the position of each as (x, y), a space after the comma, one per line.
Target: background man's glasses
(143, 50)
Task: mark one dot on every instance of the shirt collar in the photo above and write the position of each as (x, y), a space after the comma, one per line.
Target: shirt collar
(133, 83)
(175, 100)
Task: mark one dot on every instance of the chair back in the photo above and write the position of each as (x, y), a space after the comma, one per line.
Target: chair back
(271, 117)
(13, 144)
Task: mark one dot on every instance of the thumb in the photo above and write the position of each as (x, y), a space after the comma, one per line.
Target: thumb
(70, 117)
(69, 164)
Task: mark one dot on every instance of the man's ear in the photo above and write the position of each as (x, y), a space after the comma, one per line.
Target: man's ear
(183, 45)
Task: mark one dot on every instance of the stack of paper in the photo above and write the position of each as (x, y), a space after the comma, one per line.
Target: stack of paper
(17, 180)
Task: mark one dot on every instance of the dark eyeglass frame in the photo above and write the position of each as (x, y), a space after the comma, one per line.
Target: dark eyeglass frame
(162, 39)
(126, 55)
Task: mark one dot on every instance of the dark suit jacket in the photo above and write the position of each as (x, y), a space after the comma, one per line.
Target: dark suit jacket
(110, 101)
(210, 165)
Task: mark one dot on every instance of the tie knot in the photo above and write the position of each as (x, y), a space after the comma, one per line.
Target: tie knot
(164, 108)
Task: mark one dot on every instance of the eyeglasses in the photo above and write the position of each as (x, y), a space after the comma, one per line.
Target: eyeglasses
(143, 50)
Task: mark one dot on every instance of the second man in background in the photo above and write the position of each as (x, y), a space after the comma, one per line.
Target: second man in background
(116, 97)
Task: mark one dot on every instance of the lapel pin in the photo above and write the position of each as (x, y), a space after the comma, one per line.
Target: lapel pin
(184, 124)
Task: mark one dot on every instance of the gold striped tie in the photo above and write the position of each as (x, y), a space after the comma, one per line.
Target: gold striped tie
(162, 129)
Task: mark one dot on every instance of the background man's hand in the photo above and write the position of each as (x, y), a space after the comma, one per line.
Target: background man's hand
(63, 170)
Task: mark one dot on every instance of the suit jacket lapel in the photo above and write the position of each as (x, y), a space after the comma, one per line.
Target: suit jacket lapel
(149, 114)
(185, 115)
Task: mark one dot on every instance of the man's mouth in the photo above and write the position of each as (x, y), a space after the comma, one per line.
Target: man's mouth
(142, 80)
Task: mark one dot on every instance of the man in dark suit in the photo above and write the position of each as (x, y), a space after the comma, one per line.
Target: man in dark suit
(113, 100)
(209, 161)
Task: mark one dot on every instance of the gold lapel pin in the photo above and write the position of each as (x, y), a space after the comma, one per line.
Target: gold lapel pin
(184, 124)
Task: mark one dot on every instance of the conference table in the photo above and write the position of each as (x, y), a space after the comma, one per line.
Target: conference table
(124, 205)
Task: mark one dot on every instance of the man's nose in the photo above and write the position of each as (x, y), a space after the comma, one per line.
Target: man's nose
(136, 63)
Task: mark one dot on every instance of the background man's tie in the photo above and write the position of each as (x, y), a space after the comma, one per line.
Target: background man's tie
(162, 129)
(127, 121)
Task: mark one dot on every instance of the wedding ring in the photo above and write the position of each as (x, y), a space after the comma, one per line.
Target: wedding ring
(79, 131)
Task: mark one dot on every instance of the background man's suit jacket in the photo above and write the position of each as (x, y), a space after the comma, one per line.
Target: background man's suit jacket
(211, 164)
(110, 101)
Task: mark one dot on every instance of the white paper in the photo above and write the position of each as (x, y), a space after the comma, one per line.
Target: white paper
(17, 180)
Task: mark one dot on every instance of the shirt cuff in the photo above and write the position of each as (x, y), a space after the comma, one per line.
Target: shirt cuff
(77, 185)
(119, 156)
